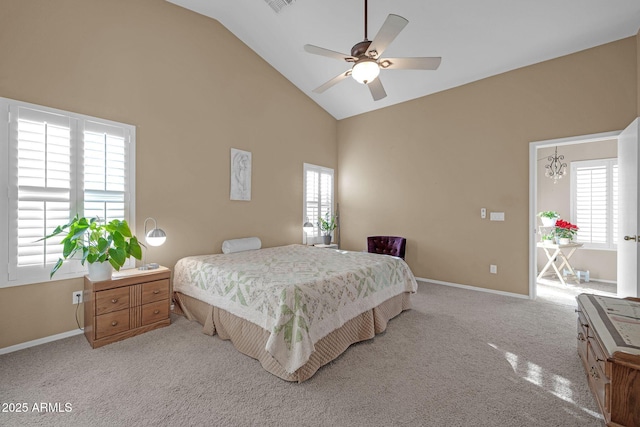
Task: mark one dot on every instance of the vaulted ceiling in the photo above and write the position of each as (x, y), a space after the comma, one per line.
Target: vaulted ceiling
(476, 39)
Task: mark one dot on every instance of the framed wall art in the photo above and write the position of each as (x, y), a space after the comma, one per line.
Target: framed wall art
(240, 175)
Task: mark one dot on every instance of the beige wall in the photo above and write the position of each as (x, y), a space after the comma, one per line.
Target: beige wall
(193, 91)
(638, 71)
(424, 168)
(602, 264)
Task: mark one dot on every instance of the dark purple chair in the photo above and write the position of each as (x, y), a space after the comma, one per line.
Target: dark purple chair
(387, 245)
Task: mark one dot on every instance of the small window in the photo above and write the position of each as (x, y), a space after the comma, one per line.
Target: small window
(594, 202)
(59, 164)
(318, 194)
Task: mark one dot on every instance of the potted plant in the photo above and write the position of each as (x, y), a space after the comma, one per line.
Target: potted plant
(327, 225)
(548, 238)
(548, 218)
(565, 231)
(103, 246)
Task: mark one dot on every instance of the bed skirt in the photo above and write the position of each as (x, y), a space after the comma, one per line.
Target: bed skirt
(251, 339)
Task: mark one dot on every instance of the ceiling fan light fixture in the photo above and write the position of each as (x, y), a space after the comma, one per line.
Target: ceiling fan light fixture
(365, 70)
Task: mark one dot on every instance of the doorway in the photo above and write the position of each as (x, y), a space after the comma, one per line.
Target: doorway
(596, 268)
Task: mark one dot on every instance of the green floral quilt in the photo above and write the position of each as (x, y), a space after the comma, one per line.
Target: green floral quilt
(298, 293)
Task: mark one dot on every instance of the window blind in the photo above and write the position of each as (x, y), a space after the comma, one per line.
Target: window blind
(318, 194)
(104, 171)
(43, 178)
(594, 202)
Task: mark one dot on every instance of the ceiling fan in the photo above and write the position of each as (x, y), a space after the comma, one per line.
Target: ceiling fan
(367, 61)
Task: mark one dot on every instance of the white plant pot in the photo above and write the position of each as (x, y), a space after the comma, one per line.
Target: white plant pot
(548, 222)
(564, 241)
(99, 271)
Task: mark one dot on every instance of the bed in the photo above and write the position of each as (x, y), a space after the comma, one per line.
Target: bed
(294, 308)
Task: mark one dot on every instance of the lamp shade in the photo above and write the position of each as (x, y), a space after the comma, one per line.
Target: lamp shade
(156, 236)
(307, 226)
(365, 70)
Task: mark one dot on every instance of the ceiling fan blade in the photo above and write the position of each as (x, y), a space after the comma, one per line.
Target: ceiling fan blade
(388, 32)
(334, 81)
(328, 53)
(424, 63)
(376, 89)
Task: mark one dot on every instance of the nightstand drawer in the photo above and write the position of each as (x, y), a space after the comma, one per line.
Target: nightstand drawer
(112, 323)
(112, 300)
(155, 311)
(155, 291)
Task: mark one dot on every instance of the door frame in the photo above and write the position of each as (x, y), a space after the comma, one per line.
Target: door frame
(533, 191)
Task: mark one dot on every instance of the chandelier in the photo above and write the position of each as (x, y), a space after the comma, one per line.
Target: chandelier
(555, 169)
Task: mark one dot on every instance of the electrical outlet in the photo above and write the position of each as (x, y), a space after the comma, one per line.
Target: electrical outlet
(76, 297)
(493, 269)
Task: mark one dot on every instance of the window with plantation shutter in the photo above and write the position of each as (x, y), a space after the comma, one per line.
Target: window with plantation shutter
(58, 164)
(594, 201)
(318, 194)
(104, 171)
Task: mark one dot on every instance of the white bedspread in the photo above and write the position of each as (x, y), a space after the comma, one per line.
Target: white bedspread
(298, 293)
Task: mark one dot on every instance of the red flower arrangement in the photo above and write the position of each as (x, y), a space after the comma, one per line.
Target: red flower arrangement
(565, 230)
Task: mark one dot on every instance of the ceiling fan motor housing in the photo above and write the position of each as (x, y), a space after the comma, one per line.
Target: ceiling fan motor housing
(360, 49)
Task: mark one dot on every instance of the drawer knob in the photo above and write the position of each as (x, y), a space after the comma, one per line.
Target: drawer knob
(599, 360)
(115, 300)
(114, 323)
(156, 292)
(156, 311)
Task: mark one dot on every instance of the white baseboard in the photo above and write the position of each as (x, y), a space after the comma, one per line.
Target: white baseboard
(39, 341)
(473, 288)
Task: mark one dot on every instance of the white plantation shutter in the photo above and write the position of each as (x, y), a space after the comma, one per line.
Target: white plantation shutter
(58, 164)
(614, 208)
(318, 194)
(594, 202)
(105, 166)
(43, 187)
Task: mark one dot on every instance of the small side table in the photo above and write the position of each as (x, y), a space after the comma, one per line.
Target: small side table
(131, 303)
(558, 252)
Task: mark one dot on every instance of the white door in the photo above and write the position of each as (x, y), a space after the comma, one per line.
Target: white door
(628, 230)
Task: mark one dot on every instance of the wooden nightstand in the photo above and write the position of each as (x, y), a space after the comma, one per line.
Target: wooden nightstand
(131, 303)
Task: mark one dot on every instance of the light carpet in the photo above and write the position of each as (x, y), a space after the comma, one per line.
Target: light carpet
(458, 358)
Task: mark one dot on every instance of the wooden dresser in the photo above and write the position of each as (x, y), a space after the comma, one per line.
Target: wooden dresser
(131, 303)
(609, 347)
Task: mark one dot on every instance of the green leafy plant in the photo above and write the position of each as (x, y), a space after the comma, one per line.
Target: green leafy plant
(549, 214)
(96, 242)
(327, 224)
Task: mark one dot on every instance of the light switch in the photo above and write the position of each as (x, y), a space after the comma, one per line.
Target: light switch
(483, 213)
(497, 216)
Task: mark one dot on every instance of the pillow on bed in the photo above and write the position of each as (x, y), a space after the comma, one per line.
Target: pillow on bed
(239, 245)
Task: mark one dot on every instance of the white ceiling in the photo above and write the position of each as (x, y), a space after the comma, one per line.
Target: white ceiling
(475, 38)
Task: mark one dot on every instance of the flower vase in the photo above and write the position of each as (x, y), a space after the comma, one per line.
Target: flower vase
(99, 271)
(326, 239)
